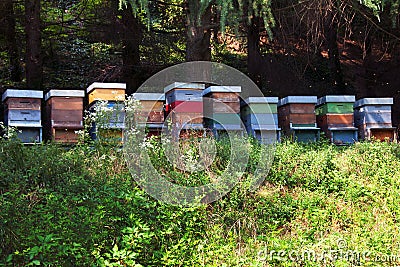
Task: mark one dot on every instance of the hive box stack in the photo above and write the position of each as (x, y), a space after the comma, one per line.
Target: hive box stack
(111, 123)
(22, 110)
(151, 111)
(335, 117)
(64, 115)
(184, 107)
(297, 118)
(222, 109)
(260, 116)
(373, 118)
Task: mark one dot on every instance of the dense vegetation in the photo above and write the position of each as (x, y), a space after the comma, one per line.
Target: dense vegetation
(79, 206)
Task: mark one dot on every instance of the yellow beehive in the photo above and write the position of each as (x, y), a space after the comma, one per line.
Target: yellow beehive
(106, 91)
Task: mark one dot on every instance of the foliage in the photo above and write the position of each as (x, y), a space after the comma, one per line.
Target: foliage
(79, 206)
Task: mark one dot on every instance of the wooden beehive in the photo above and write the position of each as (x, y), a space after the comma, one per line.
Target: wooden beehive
(22, 109)
(336, 119)
(106, 91)
(373, 118)
(296, 116)
(63, 115)
(184, 105)
(260, 117)
(110, 120)
(151, 112)
(222, 110)
(109, 123)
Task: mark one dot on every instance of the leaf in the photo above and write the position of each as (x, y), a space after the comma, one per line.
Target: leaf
(36, 262)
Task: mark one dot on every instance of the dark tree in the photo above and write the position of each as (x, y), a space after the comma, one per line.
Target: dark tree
(8, 27)
(131, 36)
(33, 57)
(198, 27)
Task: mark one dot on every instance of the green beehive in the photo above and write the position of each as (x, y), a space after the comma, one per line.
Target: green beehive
(332, 104)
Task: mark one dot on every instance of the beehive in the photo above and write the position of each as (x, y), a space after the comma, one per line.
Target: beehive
(110, 117)
(335, 117)
(296, 116)
(222, 109)
(151, 112)
(63, 115)
(184, 106)
(260, 116)
(22, 109)
(106, 91)
(373, 118)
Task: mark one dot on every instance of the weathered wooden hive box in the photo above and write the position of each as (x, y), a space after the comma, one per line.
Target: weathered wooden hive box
(336, 118)
(22, 109)
(222, 109)
(184, 106)
(110, 118)
(63, 115)
(260, 117)
(151, 112)
(373, 118)
(296, 116)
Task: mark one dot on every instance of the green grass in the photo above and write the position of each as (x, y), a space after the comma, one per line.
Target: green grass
(81, 207)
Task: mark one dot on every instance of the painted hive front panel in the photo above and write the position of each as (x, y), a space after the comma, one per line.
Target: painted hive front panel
(30, 134)
(106, 94)
(261, 119)
(22, 103)
(259, 108)
(15, 115)
(335, 108)
(338, 120)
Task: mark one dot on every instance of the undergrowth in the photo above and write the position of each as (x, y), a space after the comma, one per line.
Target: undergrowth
(319, 205)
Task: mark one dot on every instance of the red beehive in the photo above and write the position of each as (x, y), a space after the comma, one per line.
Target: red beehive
(184, 106)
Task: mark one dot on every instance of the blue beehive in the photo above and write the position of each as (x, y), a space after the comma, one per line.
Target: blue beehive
(22, 109)
(373, 118)
(260, 118)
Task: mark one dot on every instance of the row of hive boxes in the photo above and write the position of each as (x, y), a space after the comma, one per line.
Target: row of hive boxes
(63, 114)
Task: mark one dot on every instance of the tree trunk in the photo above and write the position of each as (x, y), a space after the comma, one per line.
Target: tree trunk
(34, 67)
(333, 54)
(254, 58)
(198, 46)
(12, 47)
(131, 37)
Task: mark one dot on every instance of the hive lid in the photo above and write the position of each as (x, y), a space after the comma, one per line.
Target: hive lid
(336, 99)
(297, 100)
(373, 101)
(97, 85)
(261, 100)
(180, 85)
(222, 89)
(22, 93)
(64, 93)
(149, 96)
